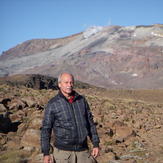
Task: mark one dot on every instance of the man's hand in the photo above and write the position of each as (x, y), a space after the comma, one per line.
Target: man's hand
(47, 159)
(95, 152)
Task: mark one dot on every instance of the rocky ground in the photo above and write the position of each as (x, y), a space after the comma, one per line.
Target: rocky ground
(129, 123)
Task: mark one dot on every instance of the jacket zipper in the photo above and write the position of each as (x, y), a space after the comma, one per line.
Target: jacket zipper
(75, 121)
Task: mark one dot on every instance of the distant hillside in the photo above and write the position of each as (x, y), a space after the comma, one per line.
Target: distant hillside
(112, 57)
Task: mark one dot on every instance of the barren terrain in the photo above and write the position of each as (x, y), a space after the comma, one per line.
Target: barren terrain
(129, 123)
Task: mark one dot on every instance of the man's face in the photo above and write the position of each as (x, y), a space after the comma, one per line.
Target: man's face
(66, 84)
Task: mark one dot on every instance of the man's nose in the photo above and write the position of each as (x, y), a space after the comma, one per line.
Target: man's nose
(70, 84)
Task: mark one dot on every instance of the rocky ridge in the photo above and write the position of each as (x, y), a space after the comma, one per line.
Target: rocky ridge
(129, 123)
(37, 81)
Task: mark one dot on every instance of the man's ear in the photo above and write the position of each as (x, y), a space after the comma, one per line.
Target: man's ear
(59, 85)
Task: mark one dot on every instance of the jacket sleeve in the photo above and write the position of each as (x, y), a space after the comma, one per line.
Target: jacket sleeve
(46, 130)
(91, 127)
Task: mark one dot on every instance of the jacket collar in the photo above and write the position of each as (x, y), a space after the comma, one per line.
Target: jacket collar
(74, 93)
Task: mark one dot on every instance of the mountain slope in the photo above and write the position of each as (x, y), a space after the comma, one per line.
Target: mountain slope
(113, 57)
(34, 46)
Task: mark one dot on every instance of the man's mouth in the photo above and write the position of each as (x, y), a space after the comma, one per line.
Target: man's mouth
(69, 88)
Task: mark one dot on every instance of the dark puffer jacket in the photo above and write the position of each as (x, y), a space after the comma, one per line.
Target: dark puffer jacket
(72, 123)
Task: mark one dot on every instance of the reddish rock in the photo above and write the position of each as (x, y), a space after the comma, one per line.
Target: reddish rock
(31, 138)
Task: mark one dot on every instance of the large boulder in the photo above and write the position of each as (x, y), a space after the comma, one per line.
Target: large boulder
(31, 138)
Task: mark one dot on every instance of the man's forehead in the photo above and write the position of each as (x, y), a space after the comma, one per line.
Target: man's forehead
(67, 79)
(66, 76)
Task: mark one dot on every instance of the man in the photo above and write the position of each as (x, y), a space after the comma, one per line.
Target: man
(69, 115)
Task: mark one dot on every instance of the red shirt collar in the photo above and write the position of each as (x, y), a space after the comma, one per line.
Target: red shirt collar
(71, 99)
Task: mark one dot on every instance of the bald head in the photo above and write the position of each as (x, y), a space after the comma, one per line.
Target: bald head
(64, 74)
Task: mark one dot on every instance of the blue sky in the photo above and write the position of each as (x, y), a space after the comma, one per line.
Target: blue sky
(22, 20)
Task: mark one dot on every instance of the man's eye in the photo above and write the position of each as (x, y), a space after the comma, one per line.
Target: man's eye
(69, 83)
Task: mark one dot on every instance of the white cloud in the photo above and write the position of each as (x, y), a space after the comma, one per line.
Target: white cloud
(92, 31)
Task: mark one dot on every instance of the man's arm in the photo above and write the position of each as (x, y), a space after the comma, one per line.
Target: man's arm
(46, 130)
(95, 152)
(93, 132)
